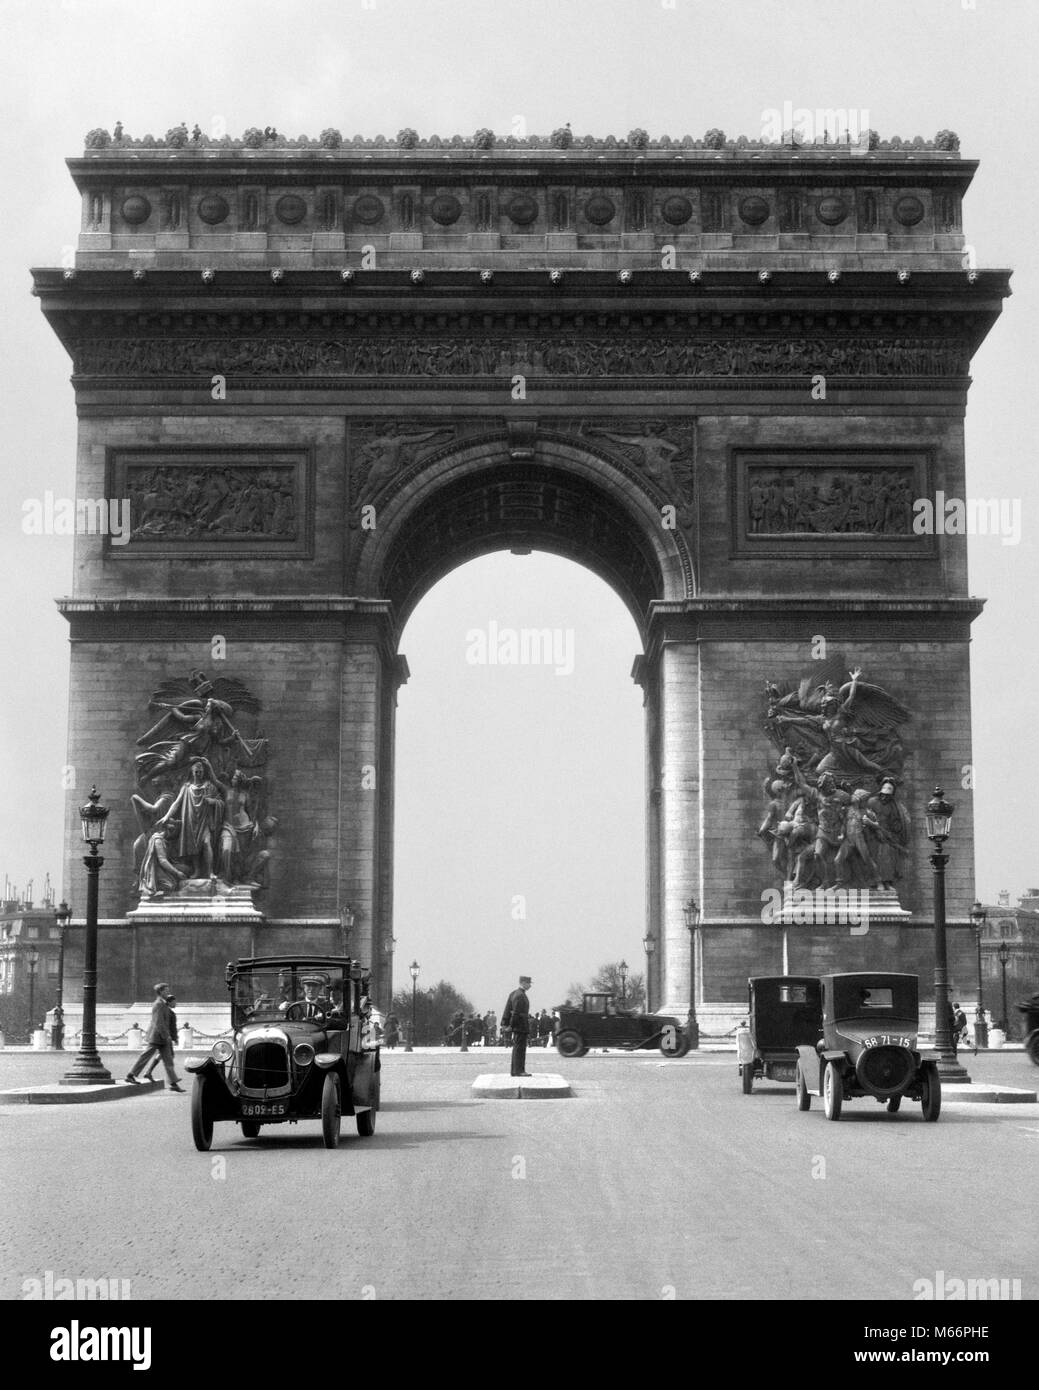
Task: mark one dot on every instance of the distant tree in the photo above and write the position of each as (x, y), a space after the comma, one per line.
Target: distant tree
(607, 980)
(434, 1007)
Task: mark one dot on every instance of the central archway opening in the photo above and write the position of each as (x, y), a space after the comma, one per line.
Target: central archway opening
(520, 785)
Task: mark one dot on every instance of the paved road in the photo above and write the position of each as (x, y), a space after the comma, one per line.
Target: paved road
(657, 1180)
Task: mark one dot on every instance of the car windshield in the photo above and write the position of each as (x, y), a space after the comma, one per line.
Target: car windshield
(266, 996)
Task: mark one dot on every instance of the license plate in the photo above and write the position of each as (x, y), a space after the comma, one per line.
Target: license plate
(258, 1109)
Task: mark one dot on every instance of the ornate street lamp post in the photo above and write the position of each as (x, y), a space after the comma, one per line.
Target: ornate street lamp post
(939, 819)
(1004, 956)
(978, 917)
(691, 911)
(32, 960)
(409, 1046)
(87, 1069)
(649, 945)
(62, 916)
(622, 970)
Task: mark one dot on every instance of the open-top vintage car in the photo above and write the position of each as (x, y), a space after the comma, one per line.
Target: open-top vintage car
(783, 1011)
(600, 1023)
(868, 1046)
(303, 1048)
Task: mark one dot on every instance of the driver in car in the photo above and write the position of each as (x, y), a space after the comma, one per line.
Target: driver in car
(313, 1004)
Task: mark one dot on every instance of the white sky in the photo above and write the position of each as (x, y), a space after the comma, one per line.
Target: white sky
(532, 784)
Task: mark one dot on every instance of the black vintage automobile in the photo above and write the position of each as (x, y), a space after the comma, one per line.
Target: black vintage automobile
(303, 1048)
(868, 1046)
(600, 1023)
(1030, 1009)
(783, 1011)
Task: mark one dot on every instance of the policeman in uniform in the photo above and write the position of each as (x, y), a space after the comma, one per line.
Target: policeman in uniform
(516, 1015)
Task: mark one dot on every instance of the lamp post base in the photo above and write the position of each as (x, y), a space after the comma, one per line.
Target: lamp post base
(87, 1070)
(949, 1069)
(692, 1032)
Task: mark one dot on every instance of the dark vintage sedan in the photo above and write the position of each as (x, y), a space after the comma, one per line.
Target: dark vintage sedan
(783, 1011)
(600, 1023)
(869, 1046)
(303, 1048)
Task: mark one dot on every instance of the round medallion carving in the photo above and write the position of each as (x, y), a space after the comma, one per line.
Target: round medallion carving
(212, 209)
(599, 210)
(831, 211)
(522, 209)
(445, 209)
(290, 209)
(753, 210)
(909, 210)
(136, 209)
(677, 210)
(368, 209)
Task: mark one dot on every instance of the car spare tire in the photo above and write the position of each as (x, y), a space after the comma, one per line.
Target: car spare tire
(885, 1071)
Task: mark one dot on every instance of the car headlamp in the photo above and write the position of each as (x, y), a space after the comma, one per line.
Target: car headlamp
(221, 1051)
(303, 1054)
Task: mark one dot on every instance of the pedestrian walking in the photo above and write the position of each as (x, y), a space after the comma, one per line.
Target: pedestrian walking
(391, 1031)
(158, 1040)
(490, 1028)
(171, 999)
(544, 1027)
(959, 1025)
(516, 1016)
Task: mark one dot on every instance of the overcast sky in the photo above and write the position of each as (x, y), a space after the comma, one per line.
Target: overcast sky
(514, 781)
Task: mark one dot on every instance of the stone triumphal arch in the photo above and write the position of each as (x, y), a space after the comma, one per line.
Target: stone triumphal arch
(322, 374)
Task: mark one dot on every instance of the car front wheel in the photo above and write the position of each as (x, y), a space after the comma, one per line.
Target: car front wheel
(931, 1092)
(833, 1091)
(1032, 1047)
(569, 1043)
(804, 1098)
(201, 1115)
(331, 1110)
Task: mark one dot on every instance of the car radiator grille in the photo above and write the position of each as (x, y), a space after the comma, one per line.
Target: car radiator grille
(266, 1066)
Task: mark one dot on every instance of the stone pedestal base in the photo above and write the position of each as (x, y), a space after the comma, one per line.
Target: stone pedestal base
(200, 900)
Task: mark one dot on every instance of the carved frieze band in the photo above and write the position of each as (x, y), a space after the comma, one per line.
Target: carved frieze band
(534, 356)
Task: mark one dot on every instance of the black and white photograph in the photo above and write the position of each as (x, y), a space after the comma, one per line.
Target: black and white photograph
(519, 569)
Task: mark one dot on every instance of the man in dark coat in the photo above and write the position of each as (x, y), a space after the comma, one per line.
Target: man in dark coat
(516, 1016)
(158, 1039)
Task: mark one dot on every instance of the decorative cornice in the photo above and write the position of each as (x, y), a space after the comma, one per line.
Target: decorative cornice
(180, 141)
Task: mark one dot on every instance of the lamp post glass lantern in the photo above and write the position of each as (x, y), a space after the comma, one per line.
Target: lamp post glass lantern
(938, 817)
(88, 1069)
(409, 1045)
(691, 912)
(978, 917)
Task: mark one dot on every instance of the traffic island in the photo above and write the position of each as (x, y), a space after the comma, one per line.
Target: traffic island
(954, 1093)
(542, 1086)
(56, 1094)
